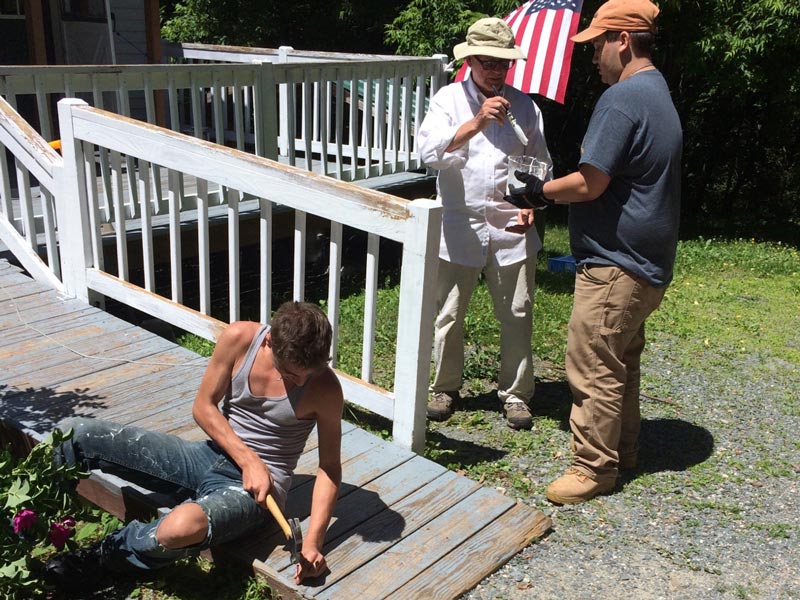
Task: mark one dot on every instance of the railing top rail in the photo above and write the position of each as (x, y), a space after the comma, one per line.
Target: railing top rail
(351, 205)
(27, 145)
(196, 50)
(29, 70)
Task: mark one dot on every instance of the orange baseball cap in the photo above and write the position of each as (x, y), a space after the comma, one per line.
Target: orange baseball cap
(620, 15)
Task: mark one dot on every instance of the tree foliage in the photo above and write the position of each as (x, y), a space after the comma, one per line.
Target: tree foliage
(341, 25)
(730, 65)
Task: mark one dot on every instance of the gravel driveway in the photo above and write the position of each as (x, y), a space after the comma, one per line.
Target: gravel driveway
(711, 511)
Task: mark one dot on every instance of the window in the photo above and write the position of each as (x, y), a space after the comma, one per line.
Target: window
(83, 10)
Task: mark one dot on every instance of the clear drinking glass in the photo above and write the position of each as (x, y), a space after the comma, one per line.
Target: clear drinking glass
(526, 164)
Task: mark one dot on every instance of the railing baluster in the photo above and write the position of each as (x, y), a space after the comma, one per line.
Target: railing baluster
(308, 118)
(353, 125)
(119, 216)
(51, 242)
(335, 285)
(370, 307)
(380, 124)
(299, 287)
(125, 110)
(419, 115)
(406, 121)
(216, 103)
(159, 202)
(265, 258)
(95, 238)
(175, 125)
(175, 260)
(5, 187)
(323, 108)
(368, 122)
(26, 204)
(97, 99)
(394, 125)
(203, 247)
(339, 120)
(147, 225)
(291, 122)
(233, 255)
(238, 112)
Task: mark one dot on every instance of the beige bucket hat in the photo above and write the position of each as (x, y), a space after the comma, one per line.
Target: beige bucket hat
(489, 37)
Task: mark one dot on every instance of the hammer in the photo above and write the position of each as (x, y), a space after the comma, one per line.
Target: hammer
(291, 529)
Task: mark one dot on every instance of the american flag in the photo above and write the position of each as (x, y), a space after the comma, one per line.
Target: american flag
(542, 29)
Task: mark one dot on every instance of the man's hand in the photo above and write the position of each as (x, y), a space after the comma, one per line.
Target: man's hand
(524, 222)
(312, 564)
(257, 480)
(531, 196)
(492, 109)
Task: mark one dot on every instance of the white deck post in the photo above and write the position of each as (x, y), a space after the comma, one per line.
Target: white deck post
(415, 323)
(265, 123)
(72, 214)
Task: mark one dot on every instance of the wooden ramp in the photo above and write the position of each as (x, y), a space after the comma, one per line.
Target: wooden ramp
(404, 526)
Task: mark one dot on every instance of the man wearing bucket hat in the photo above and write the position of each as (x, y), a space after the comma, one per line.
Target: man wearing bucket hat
(623, 223)
(467, 136)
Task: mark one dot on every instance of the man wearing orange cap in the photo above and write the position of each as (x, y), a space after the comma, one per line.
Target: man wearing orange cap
(623, 221)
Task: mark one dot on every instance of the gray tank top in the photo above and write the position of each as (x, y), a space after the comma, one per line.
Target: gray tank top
(268, 426)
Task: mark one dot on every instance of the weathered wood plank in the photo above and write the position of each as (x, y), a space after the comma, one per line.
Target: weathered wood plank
(390, 526)
(41, 352)
(30, 301)
(428, 544)
(495, 544)
(48, 318)
(363, 496)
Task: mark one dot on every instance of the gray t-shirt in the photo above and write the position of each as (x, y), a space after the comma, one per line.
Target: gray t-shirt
(635, 137)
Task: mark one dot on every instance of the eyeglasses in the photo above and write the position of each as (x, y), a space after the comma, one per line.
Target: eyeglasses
(494, 65)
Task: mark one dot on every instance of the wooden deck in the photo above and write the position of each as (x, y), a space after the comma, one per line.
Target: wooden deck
(404, 527)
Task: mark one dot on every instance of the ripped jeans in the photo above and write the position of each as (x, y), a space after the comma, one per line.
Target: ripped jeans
(198, 472)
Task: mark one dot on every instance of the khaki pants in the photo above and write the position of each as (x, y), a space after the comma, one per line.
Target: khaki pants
(511, 288)
(604, 346)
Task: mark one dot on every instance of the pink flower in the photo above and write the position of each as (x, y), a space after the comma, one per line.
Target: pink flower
(61, 531)
(24, 520)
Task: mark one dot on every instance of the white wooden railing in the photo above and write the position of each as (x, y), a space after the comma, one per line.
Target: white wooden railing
(141, 153)
(20, 230)
(295, 111)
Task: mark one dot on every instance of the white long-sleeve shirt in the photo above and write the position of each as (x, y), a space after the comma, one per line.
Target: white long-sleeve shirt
(472, 179)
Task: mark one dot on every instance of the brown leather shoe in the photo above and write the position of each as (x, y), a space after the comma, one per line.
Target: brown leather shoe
(575, 486)
(518, 415)
(441, 405)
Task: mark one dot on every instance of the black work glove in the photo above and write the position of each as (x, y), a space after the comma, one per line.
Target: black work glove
(530, 196)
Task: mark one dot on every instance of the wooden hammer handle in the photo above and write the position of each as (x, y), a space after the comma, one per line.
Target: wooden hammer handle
(276, 512)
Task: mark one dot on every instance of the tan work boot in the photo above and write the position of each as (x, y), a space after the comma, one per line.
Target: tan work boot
(575, 486)
(518, 415)
(441, 405)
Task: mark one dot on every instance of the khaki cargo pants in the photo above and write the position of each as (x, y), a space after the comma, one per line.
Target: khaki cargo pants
(604, 347)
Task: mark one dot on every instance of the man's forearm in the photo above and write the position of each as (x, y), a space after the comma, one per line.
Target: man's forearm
(465, 133)
(581, 186)
(323, 502)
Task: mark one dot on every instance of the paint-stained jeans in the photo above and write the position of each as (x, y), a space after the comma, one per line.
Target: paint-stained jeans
(192, 471)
